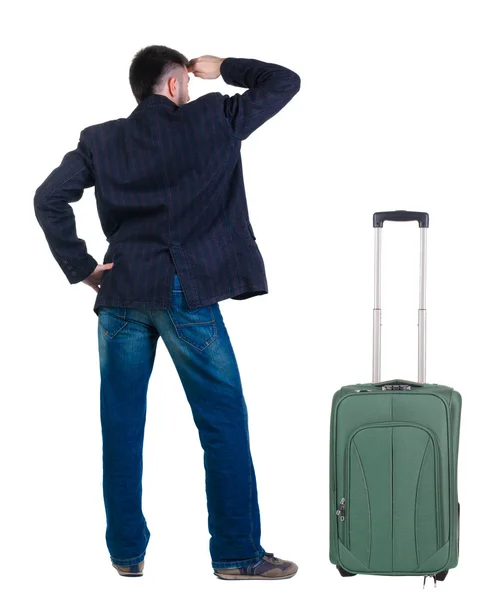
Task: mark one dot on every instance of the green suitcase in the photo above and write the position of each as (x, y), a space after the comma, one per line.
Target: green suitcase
(393, 461)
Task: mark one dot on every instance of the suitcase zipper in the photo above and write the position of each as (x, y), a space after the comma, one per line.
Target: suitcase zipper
(341, 510)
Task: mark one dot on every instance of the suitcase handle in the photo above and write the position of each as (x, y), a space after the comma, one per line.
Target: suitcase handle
(399, 382)
(401, 215)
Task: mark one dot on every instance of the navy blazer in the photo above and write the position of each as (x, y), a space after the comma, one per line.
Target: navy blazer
(170, 195)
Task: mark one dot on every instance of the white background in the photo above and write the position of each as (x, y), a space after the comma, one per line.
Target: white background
(392, 114)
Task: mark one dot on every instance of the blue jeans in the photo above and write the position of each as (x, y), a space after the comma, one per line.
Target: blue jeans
(200, 348)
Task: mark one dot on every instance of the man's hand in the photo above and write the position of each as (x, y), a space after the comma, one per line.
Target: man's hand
(95, 279)
(205, 67)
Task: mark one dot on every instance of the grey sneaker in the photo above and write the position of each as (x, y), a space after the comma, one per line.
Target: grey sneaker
(269, 567)
(130, 570)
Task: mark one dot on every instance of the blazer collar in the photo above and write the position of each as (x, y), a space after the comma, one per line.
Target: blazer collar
(154, 100)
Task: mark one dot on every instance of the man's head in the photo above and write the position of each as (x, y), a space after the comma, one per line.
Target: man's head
(159, 70)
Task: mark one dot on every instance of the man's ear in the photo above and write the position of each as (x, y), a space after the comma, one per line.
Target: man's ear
(172, 86)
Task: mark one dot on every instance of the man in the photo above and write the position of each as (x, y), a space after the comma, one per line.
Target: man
(170, 196)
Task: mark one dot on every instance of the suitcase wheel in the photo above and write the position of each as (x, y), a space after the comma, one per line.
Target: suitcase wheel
(345, 573)
(441, 576)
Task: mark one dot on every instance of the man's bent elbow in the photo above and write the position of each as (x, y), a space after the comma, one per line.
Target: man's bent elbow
(294, 82)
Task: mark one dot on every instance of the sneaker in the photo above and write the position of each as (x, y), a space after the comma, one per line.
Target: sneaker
(268, 567)
(130, 570)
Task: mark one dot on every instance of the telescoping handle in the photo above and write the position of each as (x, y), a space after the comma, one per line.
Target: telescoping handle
(378, 221)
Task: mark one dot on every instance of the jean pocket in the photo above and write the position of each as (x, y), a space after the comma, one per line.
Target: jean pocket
(112, 320)
(196, 326)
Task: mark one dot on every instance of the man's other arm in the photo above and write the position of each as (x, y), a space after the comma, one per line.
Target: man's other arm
(270, 88)
(55, 215)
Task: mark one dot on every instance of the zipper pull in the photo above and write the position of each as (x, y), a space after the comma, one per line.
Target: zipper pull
(341, 510)
(426, 577)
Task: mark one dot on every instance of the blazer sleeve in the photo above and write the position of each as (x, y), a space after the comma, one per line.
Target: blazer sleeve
(271, 87)
(54, 214)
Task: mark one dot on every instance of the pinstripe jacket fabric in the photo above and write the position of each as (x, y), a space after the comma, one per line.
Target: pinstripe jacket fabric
(170, 195)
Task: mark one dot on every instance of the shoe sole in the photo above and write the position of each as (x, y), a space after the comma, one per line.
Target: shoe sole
(229, 577)
(127, 574)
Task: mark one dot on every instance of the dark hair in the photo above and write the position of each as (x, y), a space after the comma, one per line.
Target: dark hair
(150, 66)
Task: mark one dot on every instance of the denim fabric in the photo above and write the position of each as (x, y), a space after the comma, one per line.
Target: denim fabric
(199, 345)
